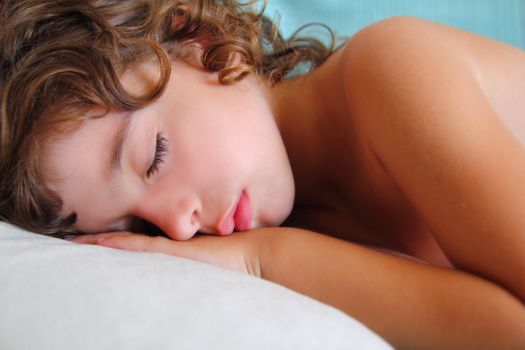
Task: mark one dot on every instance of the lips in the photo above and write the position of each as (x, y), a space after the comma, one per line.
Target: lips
(243, 213)
(239, 218)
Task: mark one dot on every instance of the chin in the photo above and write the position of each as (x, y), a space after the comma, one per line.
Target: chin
(278, 214)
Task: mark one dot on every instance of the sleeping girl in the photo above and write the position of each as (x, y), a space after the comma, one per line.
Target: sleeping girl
(387, 181)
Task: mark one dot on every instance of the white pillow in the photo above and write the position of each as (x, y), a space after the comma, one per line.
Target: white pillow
(59, 295)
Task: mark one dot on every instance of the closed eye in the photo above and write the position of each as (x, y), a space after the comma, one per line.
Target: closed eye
(161, 150)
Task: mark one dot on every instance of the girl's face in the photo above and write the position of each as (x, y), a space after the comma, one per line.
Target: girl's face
(203, 158)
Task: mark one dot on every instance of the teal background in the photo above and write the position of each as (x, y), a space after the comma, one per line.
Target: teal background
(499, 19)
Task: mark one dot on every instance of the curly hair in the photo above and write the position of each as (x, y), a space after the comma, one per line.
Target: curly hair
(61, 58)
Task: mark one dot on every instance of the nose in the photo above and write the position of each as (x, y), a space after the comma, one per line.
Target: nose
(178, 218)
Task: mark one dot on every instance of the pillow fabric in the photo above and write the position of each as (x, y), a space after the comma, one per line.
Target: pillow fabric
(59, 295)
(501, 20)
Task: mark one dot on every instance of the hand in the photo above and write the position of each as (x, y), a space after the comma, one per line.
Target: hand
(238, 251)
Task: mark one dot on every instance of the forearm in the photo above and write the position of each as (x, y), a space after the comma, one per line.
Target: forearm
(412, 305)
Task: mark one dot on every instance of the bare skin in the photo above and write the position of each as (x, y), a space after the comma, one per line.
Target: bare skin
(423, 154)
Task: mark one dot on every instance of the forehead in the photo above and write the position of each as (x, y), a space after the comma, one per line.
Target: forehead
(98, 130)
(77, 167)
(86, 142)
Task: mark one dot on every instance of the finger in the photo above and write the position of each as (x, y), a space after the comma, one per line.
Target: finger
(191, 249)
(138, 243)
(93, 238)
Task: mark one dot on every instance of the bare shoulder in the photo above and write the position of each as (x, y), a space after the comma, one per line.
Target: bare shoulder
(414, 88)
(406, 53)
(409, 82)
(396, 35)
(403, 48)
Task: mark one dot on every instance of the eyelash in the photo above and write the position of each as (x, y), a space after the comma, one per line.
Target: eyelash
(161, 150)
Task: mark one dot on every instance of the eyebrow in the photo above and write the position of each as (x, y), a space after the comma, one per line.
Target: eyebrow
(119, 144)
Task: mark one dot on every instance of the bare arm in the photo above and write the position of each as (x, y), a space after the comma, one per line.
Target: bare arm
(412, 305)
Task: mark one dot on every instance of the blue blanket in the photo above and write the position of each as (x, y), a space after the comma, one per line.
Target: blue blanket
(503, 20)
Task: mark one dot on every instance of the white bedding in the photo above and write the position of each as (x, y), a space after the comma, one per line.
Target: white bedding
(58, 295)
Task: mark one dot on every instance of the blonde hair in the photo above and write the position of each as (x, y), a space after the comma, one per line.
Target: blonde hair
(60, 58)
